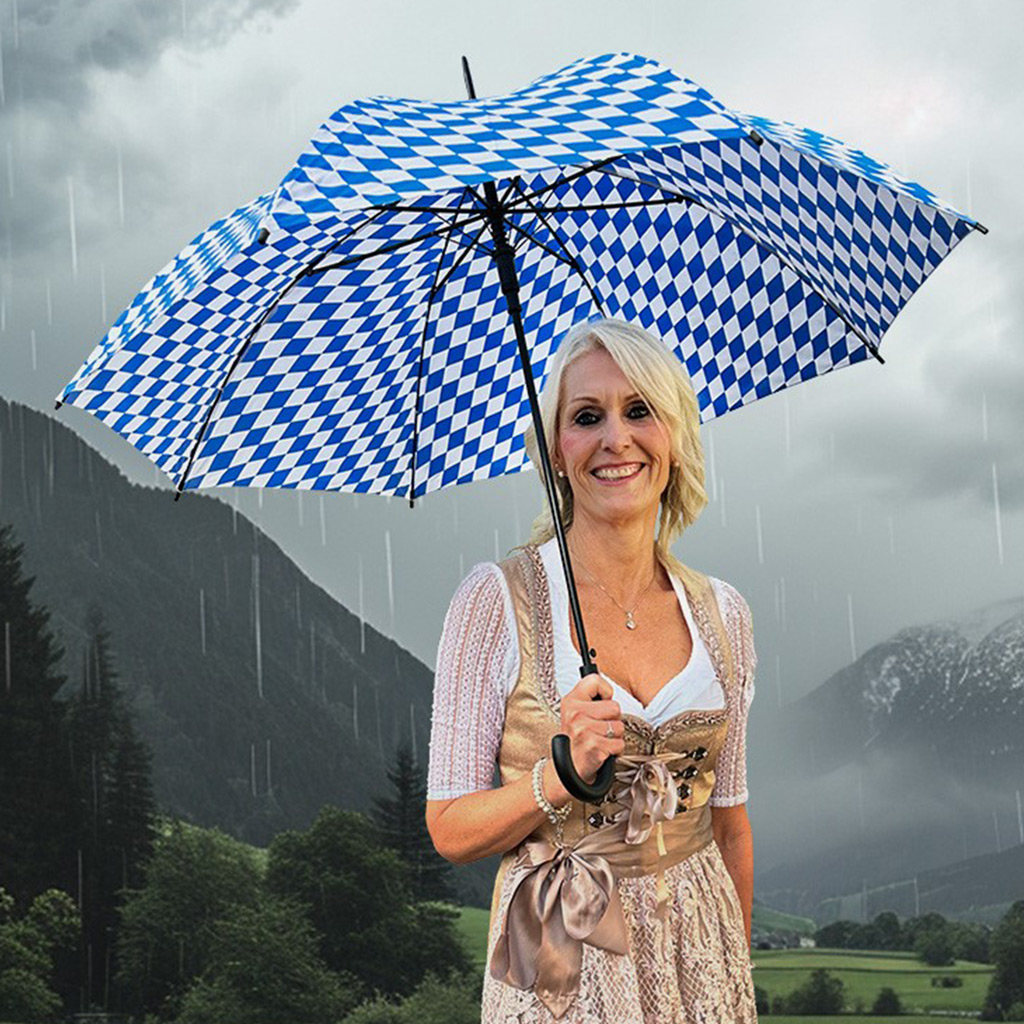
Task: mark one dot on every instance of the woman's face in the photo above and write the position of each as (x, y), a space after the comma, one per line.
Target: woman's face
(615, 454)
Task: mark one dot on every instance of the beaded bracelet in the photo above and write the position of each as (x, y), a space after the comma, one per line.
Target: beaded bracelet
(556, 815)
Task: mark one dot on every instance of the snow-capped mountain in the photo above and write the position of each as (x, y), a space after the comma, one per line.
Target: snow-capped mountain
(906, 764)
(929, 686)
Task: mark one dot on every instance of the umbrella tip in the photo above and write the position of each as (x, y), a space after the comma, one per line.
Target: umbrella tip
(57, 405)
(468, 78)
(978, 226)
(756, 138)
(263, 236)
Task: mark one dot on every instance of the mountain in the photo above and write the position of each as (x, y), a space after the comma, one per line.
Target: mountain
(941, 685)
(906, 771)
(979, 888)
(261, 697)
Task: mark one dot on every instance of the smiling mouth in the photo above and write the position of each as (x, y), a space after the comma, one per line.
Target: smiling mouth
(618, 472)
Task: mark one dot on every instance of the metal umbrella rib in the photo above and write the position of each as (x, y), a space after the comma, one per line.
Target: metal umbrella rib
(435, 288)
(252, 334)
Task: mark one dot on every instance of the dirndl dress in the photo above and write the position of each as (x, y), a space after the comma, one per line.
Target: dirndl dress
(625, 914)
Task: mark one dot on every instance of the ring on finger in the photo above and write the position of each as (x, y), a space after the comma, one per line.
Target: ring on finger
(609, 732)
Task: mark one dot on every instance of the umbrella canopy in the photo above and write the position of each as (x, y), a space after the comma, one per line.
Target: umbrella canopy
(346, 331)
(375, 323)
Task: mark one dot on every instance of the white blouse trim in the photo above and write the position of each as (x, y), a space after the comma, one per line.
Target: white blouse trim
(695, 686)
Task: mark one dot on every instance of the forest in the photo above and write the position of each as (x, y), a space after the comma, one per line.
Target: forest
(108, 906)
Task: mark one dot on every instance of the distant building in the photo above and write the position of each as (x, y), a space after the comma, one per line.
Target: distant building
(780, 939)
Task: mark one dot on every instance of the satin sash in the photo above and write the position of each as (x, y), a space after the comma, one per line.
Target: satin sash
(563, 895)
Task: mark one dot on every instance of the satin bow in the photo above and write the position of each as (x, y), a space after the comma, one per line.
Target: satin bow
(564, 897)
(568, 895)
(651, 795)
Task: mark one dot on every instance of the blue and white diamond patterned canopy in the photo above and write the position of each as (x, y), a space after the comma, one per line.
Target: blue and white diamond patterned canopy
(347, 330)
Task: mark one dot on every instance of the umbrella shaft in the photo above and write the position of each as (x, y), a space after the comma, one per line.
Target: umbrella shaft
(504, 257)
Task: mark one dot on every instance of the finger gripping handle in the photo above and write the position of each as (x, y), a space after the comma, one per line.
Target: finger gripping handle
(591, 793)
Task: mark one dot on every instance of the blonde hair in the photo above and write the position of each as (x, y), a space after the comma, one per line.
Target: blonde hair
(659, 377)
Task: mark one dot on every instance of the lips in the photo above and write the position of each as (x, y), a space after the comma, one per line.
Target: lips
(623, 471)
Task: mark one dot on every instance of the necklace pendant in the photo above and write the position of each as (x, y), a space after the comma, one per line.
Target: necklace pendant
(630, 624)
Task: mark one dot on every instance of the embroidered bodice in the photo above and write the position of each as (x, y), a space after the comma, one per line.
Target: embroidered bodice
(562, 880)
(478, 664)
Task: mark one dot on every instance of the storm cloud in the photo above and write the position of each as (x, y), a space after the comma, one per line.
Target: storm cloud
(53, 45)
(130, 126)
(64, 164)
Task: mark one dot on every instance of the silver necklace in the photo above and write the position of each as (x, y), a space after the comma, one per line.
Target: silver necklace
(630, 621)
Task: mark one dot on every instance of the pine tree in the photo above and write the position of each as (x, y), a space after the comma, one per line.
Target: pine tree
(403, 827)
(115, 806)
(36, 801)
(1006, 986)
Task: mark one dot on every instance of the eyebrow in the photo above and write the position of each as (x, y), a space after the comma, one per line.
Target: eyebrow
(597, 401)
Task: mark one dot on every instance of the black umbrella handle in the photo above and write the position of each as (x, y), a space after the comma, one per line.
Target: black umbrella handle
(561, 754)
(592, 793)
(589, 793)
(504, 259)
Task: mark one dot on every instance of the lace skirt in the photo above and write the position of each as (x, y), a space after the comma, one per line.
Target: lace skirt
(708, 979)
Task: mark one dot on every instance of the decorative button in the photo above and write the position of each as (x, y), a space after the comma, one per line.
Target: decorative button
(680, 806)
(596, 819)
(689, 771)
(699, 754)
(684, 789)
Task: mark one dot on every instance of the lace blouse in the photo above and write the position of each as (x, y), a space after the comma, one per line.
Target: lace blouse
(478, 664)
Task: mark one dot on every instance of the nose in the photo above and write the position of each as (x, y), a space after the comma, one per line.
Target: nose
(616, 432)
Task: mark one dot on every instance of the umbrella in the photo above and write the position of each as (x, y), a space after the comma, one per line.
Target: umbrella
(375, 323)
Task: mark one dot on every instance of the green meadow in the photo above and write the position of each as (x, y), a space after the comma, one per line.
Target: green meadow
(863, 973)
(473, 924)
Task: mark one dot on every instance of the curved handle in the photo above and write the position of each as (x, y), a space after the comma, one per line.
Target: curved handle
(591, 793)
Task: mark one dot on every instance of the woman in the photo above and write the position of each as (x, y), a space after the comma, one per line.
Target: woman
(638, 910)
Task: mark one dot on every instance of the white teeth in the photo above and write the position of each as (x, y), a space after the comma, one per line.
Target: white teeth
(617, 472)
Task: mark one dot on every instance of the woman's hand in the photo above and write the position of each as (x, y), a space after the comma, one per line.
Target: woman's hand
(489, 821)
(585, 721)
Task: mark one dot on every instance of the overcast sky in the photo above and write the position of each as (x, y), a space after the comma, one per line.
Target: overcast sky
(863, 499)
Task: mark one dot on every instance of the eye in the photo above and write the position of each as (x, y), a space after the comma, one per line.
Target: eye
(587, 417)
